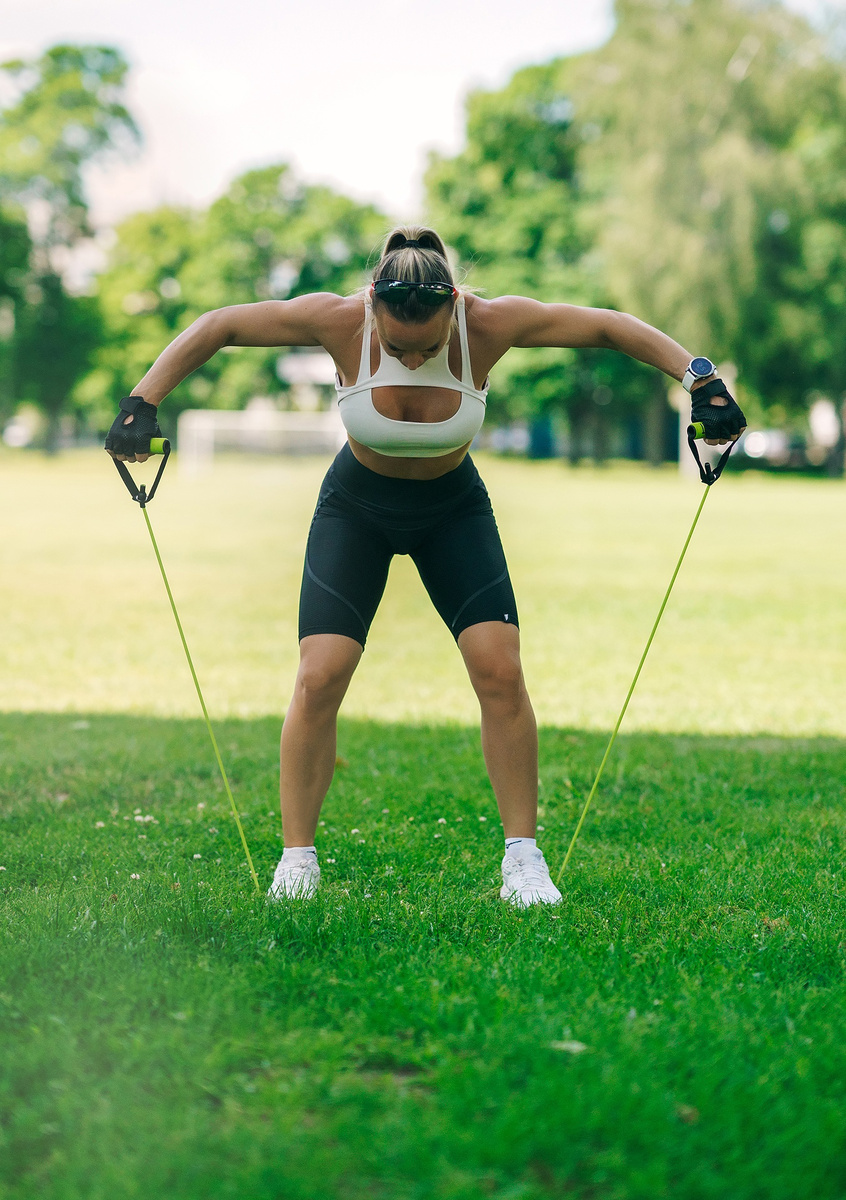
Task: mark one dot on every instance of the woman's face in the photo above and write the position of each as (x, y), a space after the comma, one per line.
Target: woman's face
(413, 344)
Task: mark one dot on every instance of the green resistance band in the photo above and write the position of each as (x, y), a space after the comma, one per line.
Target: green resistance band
(613, 737)
(709, 476)
(139, 494)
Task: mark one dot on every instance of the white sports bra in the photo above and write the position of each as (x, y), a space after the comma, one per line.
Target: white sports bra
(412, 439)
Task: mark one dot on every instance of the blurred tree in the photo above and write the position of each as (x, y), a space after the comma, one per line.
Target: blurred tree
(142, 302)
(67, 112)
(514, 207)
(723, 187)
(693, 174)
(15, 247)
(268, 237)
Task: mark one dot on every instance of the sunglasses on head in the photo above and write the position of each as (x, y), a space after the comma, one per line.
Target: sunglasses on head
(397, 291)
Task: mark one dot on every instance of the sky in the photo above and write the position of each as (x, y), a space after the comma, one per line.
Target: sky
(353, 94)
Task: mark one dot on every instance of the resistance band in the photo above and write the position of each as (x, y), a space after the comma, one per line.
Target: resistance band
(140, 495)
(708, 476)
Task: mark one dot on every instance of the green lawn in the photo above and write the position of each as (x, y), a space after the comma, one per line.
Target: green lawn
(673, 1030)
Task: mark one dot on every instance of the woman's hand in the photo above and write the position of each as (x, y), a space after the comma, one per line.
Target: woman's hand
(129, 438)
(713, 406)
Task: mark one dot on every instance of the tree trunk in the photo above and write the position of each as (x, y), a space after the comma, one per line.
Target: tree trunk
(53, 431)
(654, 423)
(836, 457)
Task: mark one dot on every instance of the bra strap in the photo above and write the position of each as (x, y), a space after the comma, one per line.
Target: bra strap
(364, 363)
(466, 370)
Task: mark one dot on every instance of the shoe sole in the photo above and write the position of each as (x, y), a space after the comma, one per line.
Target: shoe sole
(300, 894)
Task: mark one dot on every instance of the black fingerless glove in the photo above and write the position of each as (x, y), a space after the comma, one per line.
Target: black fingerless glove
(718, 421)
(134, 438)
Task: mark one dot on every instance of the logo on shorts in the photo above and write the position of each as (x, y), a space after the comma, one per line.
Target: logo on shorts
(505, 616)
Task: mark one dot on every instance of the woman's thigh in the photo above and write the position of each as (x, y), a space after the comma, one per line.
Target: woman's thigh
(463, 568)
(344, 577)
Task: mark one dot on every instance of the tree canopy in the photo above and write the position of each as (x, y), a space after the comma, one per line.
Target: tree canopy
(690, 170)
(270, 236)
(66, 113)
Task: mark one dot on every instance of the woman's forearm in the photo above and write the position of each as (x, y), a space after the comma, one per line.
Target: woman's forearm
(634, 337)
(194, 346)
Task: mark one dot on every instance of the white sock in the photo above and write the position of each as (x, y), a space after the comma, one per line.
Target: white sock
(517, 847)
(293, 854)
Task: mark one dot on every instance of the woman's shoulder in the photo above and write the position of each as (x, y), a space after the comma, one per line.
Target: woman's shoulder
(496, 318)
(331, 314)
(330, 304)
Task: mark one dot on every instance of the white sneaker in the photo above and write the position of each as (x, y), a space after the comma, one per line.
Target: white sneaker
(297, 880)
(526, 881)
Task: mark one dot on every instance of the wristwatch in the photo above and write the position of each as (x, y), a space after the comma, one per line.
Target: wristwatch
(698, 368)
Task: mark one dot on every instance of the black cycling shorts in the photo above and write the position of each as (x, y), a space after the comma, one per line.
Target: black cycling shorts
(363, 519)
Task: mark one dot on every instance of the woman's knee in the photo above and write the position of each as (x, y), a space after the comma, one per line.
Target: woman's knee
(327, 664)
(494, 666)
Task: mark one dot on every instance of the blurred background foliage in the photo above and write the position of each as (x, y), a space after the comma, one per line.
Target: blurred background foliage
(692, 170)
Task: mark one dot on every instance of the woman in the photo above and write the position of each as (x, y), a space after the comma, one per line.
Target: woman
(413, 355)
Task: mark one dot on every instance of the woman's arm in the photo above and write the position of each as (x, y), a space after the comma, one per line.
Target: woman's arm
(530, 323)
(519, 321)
(298, 322)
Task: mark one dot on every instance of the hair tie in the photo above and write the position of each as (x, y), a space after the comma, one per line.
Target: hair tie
(411, 242)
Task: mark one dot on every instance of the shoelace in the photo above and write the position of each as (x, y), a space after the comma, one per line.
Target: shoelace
(304, 868)
(532, 872)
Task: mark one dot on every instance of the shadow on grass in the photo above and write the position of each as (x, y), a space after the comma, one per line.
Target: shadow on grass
(407, 786)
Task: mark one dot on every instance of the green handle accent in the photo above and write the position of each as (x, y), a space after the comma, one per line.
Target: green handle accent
(697, 429)
(159, 445)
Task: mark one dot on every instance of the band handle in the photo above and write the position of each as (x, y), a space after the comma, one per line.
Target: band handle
(708, 474)
(140, 494)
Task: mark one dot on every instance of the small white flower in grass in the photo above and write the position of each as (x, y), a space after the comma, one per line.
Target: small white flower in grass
(330, 860)
(201, 805)
(361, 841)
(137, 810)
(459, 818)
(134, 876)
(437, 835)
(541, 828)
(483, 818)
(2, 868)
(368, 896)
(99, 824)
(442, 820)
(569, 1047)
(212, 829)
(355, 831)
(198, 856)
(386, 810)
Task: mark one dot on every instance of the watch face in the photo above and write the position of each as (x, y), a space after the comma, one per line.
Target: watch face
(701, 366)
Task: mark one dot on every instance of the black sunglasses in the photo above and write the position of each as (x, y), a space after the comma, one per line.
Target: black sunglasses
(397, 291)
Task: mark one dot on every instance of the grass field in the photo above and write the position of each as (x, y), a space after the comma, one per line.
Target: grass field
(673, 1029)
